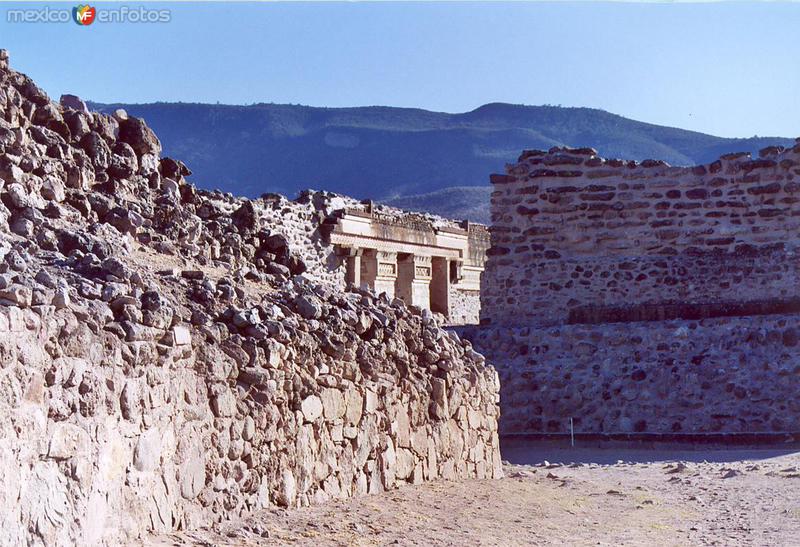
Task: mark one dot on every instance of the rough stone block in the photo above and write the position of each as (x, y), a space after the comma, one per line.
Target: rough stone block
(181, 335)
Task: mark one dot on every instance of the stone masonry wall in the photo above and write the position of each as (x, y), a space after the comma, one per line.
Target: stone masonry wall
(105, 439)
(572, 230)
(299, 220)
(721, 375)
(464, 307)
(171, 357)
(643, 298)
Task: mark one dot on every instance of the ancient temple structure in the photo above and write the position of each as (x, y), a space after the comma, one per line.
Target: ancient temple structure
(432, 265)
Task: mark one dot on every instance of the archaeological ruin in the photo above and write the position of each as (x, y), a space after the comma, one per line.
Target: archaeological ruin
(427, 261)
(644, 298)
(435, 266)
(172, 357)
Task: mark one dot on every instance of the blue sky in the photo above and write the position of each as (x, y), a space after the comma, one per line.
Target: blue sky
(729, 69)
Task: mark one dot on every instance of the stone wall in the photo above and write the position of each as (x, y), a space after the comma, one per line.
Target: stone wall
(570, 230)
(172, 357)
(465, 303)
(303, 224)
(105, 439)
(300, 221)
(720, 375)
(643, 298)
(479, 243)
(465, 307)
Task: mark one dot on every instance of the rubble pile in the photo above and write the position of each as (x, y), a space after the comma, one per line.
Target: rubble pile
(172, 357)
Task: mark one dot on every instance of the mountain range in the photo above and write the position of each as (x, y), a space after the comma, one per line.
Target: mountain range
(412, 158)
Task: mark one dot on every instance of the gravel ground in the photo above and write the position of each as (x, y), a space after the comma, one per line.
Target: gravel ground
(554, 496)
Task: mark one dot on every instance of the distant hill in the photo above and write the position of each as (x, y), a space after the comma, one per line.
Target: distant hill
(462, 202)
(384, 153)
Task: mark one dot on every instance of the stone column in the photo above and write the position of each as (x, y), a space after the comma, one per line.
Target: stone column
(351, 256)
(440, 285)
(379, 271)
(414, 279)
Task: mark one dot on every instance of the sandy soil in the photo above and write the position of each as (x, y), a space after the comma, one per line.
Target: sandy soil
(648, 497)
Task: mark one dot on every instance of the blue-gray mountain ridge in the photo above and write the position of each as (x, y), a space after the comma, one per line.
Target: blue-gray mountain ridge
(407, 157)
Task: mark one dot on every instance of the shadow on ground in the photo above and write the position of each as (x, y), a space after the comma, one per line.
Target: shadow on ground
(532, 452)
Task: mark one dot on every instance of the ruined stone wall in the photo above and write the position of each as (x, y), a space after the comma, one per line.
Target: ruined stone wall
(643, 298)
(479, 243)
(105, 439)
(720, 375)
(302, 222)
(572, 230)
(171, 357)
(465, 307)
(299, 220)
(465, 298)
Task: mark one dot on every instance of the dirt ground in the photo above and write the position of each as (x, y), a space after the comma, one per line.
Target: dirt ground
(609, 496)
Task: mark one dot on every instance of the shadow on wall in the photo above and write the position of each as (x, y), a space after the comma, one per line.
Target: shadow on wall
(531, 452)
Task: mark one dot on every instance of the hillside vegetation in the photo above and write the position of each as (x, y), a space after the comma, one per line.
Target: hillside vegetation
(384, 152)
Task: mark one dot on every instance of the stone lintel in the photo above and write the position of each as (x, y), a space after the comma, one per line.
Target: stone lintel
(346, 251)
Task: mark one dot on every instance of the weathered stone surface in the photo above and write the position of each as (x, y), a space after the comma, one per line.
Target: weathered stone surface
(181, 336)
(655, 376)
(333, 404)
(309, 307)
(312, 408)
(66, 440)
(134, 132)
(642, 237)
(644, 298)
(192, 475)
(74, 103)
(147, 454)
(224, 404)
(171, 357)
(18, 295)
